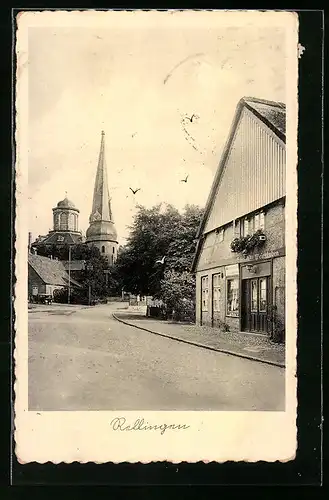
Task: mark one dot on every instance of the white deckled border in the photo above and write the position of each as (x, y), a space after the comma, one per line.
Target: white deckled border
(211, 436)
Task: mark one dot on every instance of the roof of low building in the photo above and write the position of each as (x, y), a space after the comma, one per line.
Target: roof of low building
(51, 271)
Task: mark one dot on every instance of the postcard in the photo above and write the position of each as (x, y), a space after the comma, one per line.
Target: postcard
(156, 236)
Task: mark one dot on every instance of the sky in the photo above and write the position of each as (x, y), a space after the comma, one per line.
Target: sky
(139, 85)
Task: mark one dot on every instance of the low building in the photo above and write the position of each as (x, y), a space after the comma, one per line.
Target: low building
(47, 275)
(240, 257)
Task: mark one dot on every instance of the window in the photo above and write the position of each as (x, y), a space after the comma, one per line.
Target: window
(204, 293)
(56, 220)
(216, 293)
(262, 295)
(252, 223)
(103, 249)
(245, 227)
(236, 228)
(220, 235)
(254, 296)
(112, 249)
(259, 221)
(233, 297)
(63, 221)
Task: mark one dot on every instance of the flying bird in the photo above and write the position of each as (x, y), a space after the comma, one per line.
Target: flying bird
(134, 191)
(191, 118)
(161, 261)
(185, 180)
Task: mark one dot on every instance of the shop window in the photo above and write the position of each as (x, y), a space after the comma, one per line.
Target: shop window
(204, 293)
(216, 293)
(232, 297)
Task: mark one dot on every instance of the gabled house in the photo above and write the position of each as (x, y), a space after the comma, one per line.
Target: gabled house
(46, 275)
(240, 256)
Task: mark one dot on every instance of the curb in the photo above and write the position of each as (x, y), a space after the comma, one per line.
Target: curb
(197, 344)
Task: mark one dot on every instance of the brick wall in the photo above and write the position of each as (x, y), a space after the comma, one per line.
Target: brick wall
(279, 286)
(216, 255)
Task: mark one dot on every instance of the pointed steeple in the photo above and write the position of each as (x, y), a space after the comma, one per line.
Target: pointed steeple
(101, 208)
(101, 231)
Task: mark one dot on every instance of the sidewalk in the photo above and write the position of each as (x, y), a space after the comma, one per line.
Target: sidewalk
(55, 307)
(254, 347)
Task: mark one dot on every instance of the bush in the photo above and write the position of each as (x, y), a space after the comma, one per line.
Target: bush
(277, 327)
(178, 293)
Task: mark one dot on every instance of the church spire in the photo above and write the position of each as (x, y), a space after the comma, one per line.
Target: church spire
(101, 208)
(101, 231)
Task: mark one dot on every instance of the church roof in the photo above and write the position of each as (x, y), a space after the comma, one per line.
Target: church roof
(66, 203)
(51, 271)
(61, 238)
(101, 208)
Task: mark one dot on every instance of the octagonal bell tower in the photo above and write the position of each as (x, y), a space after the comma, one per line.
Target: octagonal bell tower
(101, 231)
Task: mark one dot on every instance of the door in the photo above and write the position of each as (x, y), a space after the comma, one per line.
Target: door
(255, 295)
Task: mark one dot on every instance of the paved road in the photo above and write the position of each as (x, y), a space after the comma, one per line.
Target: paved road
(83, 359)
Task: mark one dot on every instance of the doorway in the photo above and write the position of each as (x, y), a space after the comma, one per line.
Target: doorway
(255, 304)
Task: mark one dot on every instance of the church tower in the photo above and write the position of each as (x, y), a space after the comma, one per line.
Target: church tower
(101, 231)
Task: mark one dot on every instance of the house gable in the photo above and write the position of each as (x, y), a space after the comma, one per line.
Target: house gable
(251, 172)
(252, 175)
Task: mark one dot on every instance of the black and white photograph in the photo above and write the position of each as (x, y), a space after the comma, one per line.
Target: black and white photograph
(156, 227)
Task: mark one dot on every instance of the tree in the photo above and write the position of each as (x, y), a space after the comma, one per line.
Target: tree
(158, 232)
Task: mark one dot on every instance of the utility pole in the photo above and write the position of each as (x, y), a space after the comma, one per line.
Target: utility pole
(89, 267)
(106, 272)
(69, 289)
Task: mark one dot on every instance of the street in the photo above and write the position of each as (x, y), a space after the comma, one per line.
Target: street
(83, 359)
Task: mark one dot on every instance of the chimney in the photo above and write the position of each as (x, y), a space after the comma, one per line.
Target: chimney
(30, 242)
